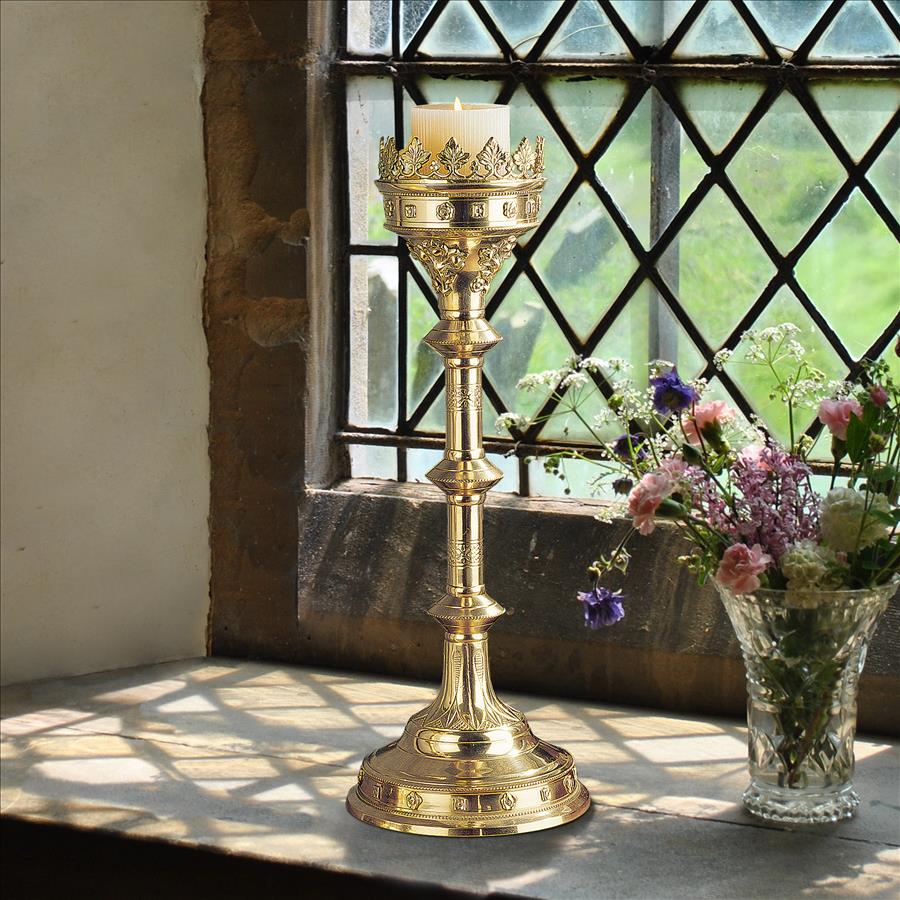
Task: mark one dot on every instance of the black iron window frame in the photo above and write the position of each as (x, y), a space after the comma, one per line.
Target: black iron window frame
(650, 67)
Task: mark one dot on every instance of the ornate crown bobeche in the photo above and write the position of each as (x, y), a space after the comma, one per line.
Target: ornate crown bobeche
(491, 163)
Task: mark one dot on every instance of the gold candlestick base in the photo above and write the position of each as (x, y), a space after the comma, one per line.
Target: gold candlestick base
(495, 782)
(468, 765)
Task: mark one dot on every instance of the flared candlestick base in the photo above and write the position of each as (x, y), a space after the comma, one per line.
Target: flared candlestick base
(531, 785)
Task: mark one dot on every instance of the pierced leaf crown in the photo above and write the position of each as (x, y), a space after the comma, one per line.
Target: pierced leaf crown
(491, 163)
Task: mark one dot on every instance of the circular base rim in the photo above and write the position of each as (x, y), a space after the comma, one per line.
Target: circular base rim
(800, 811)
(552, 816)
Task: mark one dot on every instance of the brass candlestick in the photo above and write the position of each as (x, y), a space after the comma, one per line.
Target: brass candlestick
(468, 765)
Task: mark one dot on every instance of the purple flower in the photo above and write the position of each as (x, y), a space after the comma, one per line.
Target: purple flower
(602, 607)
(773, 503)
(622, 449)
(671, 394)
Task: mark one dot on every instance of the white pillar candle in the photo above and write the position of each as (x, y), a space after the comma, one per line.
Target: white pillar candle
(471, 124)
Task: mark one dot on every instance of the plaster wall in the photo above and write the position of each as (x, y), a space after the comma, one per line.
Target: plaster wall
(105, 385)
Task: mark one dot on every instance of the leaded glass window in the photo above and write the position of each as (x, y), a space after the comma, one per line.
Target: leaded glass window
(712, 165)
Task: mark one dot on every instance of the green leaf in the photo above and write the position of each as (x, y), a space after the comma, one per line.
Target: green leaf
(670, 509)
(881, 474)
(691, 455)
(857, 439)
(881, 516)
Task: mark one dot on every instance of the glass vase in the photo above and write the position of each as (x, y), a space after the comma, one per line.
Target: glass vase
(803, 653)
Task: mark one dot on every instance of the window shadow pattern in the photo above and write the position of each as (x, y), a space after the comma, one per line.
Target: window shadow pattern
(256, 760)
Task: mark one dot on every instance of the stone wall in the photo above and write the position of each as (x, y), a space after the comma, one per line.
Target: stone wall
(255, 312)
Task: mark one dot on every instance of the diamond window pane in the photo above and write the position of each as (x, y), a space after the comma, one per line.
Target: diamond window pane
(586, 107)
(458, 32)
(586, 34)
(858, 113)
(370, 114)
(509, 466)
(851, 274)
(373, 341)
(369, 26)
(652, 21)
(412, 14)
(755, 380)
(894, 7)
(857, 32)
(575, 419)
(626, 169)
(584, 261)
(489, 417)
(522, 21)
(526, 120)
(787, 154)
(716, 267)
(718, 31)
(531, 342)
(647, 330)
(884, 174)
(718, 109)
(787, 22)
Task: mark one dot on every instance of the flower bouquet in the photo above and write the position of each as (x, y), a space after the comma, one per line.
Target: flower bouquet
(805, 563)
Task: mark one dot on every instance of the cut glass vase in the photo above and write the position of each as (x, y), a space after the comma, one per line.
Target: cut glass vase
(803, 653)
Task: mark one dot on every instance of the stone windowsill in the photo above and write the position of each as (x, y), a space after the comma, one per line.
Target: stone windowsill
(256, 759)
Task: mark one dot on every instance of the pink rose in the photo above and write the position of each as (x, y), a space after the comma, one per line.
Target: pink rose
(645, 497)
(711, 415)
(740, 567)
(878, 395)
(835, 415)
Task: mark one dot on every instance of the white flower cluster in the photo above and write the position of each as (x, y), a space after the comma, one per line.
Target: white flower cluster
(846, 524)
(759, 344)
(509, 420)
(809, 391)
(631, 403)
(609, 512)
(549, 378)
(618, 366)
(808, 566)
(614, 365)
(837, 389)
(574, 380)
(720, 360)
(659, 367)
